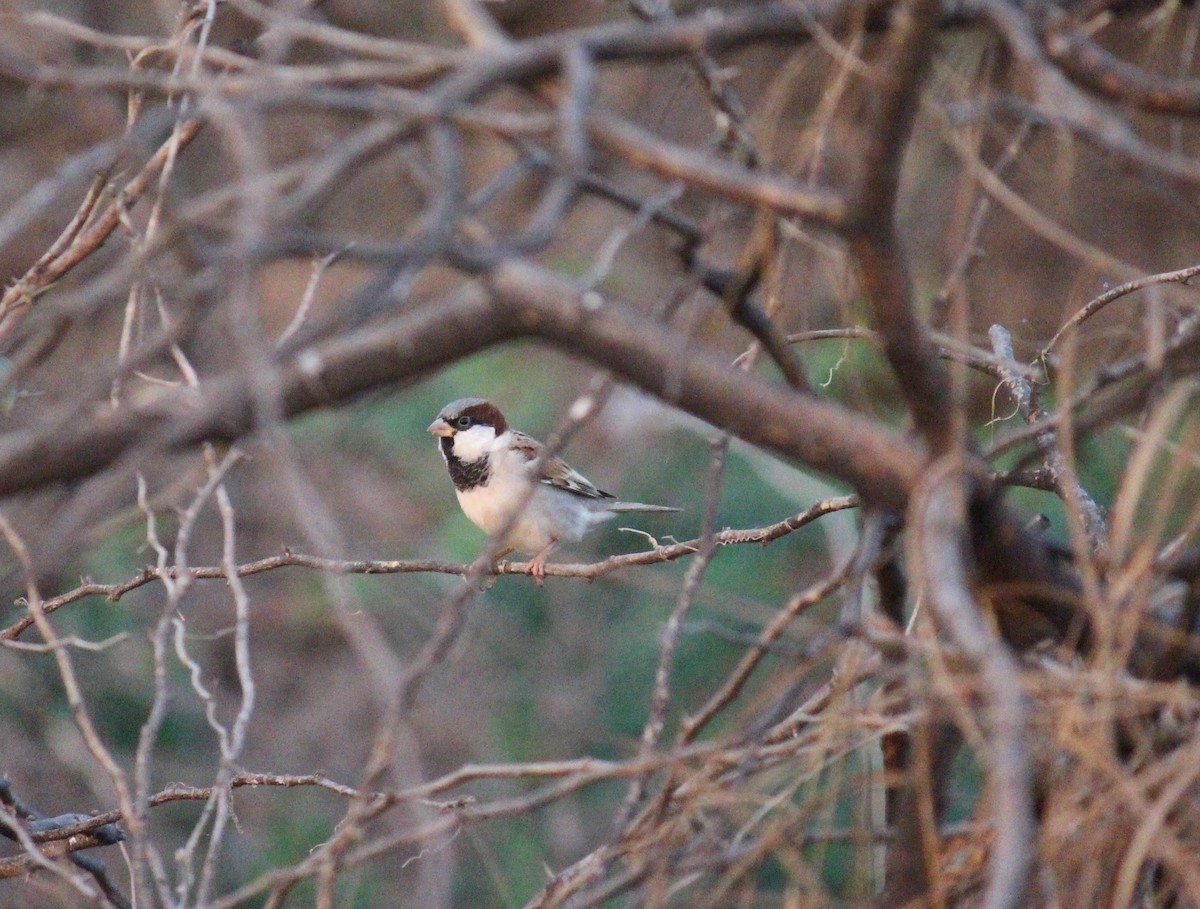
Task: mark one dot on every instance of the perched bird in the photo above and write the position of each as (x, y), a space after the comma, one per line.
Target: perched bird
(493, 465)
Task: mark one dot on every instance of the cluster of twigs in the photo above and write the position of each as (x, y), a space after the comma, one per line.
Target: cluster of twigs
(954, 636)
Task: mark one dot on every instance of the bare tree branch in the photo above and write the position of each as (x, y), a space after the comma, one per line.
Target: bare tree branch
(596, 198)
(940, 515)
(880, 260)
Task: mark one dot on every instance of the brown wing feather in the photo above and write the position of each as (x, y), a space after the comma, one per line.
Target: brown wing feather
(556, 472)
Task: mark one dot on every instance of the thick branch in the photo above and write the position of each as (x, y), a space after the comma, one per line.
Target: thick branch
(939, 545)
(880, 259)
(823, 436)
(222, 410)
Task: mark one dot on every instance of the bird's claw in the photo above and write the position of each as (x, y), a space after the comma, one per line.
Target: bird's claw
(537, 565)
(537, 570)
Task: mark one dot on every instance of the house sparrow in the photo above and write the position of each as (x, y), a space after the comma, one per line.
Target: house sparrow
(492, 466)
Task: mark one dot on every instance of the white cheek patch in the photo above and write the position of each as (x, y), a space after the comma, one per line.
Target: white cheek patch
(472, 444)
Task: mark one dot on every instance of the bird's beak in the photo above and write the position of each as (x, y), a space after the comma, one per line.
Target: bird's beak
(440, 427)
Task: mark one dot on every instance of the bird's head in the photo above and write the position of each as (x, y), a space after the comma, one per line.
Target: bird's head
(466, 428)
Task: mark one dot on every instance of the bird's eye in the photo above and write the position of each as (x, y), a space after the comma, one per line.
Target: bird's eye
(464, 422)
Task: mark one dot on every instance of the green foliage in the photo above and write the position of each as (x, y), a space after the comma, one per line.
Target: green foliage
(504, 870)
(854, 372)
(121, 553)
(120, 713)
(967, 782)
(608, 632)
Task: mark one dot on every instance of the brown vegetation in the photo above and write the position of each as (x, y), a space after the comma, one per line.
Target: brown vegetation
(935, 255)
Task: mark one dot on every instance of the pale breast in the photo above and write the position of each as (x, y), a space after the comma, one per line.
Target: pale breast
(491, 506)
(491, 512)
(549, 515)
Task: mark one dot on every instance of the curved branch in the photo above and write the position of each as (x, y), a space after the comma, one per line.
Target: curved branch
(939, 516)
(534, 303)
(1093, 306)
(880, 259)
(1089, 64)
(879, 465)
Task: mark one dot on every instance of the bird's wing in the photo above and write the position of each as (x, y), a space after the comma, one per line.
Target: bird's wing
(556, 472)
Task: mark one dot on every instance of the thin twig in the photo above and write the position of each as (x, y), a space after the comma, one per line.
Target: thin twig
(1093, 306)
(668, 552)
(1095, 524)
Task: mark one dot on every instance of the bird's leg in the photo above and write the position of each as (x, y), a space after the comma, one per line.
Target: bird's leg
(537, 565)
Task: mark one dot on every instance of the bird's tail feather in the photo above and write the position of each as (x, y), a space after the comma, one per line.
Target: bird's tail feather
(623, 507)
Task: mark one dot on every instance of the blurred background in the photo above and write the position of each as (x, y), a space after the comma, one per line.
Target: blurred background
(543, 674)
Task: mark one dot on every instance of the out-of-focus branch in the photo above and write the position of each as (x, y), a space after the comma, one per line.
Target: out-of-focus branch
(1085, 61)
(668, 365)
(1056, 98)
(1093, 306)
(880, 259)
(788, 197)
(1095, 525)
(939, 547)
(877, 463)
(731, 113)
(769, 191)
(223, 408)
(84, 235)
